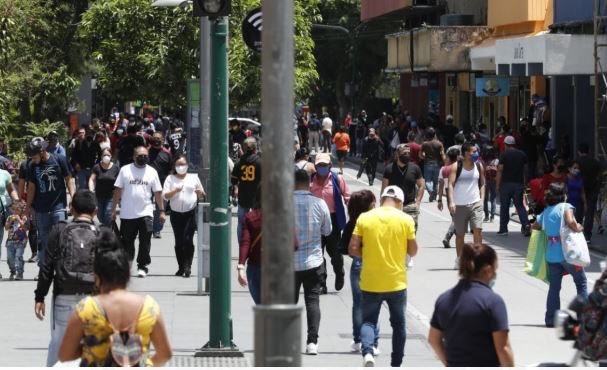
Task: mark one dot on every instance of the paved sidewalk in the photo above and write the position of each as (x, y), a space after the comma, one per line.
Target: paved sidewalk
(25, 339)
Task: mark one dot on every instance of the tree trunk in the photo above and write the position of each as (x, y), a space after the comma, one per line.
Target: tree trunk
(25, 115)
(38, 104)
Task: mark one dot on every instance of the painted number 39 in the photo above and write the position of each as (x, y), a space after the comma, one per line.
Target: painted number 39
(248, 173)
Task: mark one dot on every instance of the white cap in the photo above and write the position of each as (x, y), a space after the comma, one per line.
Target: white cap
(449, 117)
(509, 140)
(395, 192)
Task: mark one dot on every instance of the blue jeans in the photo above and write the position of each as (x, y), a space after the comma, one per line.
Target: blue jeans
(104, 211)
(357, 298)
(397, 303)
(82, 179)
(490, 196)
(15, 256)
(44, 222)
(241, 213)
(254, 281)
(431, 171)
(157, 224)
(62, 307)
(556, 270)
(512, 191)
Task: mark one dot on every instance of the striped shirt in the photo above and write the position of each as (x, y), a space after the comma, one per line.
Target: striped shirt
(312, 220)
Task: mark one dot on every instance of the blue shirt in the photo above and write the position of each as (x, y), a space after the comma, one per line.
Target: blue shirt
(550, 220)
(49, 178)
(574, 191)
(312, 220)
(58, 149)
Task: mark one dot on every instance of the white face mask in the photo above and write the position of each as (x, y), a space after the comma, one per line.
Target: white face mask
(181, 170)
(106, 159)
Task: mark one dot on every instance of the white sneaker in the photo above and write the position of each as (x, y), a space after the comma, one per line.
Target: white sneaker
(312, 349)
(376, 351)
(141, 273)
(456, 266)
(409, 262)
(368, 360)
(355, 347)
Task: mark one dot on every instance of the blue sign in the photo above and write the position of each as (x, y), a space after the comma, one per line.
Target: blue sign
(492, 86)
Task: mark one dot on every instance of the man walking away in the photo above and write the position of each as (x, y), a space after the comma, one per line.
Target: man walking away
(371, 150)
(48, 177)
(327, 133)
(342, 145)
(449, 132)
(590, 170)
(84, 156)
(383, 237)
(314, 132)
(135, 186)
(433, 154)
(246, 177)
(466, 194)
(510, 185)
(312, 222)
(68, 265)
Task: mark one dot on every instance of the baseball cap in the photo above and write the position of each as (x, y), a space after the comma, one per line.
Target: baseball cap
(324, 158)
(395, 192)
(449, 117)
(509, 140)
(371, 131)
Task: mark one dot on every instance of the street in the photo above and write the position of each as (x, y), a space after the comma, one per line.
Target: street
(187, 316)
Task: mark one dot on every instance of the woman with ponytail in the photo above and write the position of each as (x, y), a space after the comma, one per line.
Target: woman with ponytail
(469, 326)
(93, 322)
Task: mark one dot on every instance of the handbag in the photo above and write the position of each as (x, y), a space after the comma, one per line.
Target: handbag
(535, 262)
(575, 248)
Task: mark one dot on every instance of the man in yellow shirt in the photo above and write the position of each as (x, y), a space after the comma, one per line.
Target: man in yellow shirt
(388, 236)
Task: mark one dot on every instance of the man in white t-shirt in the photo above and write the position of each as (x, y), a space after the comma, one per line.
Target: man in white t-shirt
(134, 188)
(327, 132)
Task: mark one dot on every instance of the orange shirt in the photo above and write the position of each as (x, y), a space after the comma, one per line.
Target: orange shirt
(342, 141)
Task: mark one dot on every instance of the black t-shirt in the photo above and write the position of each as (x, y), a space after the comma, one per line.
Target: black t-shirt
(23, 169)
(513, 161)
(247, 174)
(405, 178)
(49, 179)
(590, 169)
(177, 143)
(105, 179)
(468, 314)
(160, 160)
(126, 148)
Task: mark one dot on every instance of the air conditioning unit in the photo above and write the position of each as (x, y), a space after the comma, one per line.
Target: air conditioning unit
(425, 2)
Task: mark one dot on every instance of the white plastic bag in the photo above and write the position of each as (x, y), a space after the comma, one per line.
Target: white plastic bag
(574, 245)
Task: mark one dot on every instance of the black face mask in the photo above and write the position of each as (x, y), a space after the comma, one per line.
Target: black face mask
(157, 143)
(142, 160)
(562, 168)
(404, 159)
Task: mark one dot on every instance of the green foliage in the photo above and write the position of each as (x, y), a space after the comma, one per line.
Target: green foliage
(17, 135)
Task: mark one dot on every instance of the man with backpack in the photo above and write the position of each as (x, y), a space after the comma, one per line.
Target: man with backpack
(466, 194)
(68, 265)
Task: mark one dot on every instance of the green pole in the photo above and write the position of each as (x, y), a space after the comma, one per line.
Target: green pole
(220, 317)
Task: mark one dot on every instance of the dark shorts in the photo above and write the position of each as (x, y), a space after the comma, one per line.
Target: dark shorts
(341, 155)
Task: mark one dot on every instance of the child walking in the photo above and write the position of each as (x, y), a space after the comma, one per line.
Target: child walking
(17, 225)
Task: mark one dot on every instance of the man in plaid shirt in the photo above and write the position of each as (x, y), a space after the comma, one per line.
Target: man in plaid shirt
(312, 220)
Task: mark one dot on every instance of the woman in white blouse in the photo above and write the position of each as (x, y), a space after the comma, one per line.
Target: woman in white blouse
(183, 190)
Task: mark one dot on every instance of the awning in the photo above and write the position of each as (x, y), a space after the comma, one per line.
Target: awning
(482, 56)
(434, 48)
(547, 54)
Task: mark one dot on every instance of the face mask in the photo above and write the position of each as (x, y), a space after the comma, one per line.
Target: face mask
(475, 157)
(404, 159)
(181, 170)
(141, 160)
(120, 131)
(156, 142)
(575, 172)
(322, 171)
(106, 159)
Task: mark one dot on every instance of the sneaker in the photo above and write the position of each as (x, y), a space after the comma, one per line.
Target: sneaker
(33, 259)
(339, 281)
(368, 360)
(35, 277)
(456, 265)
(446, 243)
(179, 272)
(486, 219)
(355, 347)
(491, 219)
(376, 351)
(12, 277)
(526, 230)
(502, 233)
(323, 289)
(370, 183)
(19, 276)
(141, 273)
(312, 349)
(187, 273)
(157, 235)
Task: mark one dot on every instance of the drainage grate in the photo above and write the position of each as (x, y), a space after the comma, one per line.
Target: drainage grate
(191, 361)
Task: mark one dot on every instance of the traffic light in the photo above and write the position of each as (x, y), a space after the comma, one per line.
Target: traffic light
(212, 8)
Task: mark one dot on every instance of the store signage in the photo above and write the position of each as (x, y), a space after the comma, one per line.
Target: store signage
(492, 86)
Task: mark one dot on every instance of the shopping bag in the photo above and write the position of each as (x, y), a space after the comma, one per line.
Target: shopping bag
(535, 263)
(575, 248)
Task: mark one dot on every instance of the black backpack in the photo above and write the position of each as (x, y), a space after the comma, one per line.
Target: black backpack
(77, 254)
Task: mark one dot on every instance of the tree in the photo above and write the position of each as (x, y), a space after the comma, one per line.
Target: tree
(140, 52)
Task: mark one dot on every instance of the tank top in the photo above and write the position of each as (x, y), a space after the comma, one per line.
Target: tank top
(466, 190)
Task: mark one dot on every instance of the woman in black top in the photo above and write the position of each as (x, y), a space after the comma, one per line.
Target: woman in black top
(101, 183)
(469, 327)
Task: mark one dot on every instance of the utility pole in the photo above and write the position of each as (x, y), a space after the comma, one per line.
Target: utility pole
(205, 101)
(278, 319)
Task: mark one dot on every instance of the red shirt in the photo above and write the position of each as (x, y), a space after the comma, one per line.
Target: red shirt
(414, 154)
(250, 244)
(549, 179)
(537, 190)
(500, 143)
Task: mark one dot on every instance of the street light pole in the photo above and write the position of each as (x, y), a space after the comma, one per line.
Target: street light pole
(277, 319)
(205, 102)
